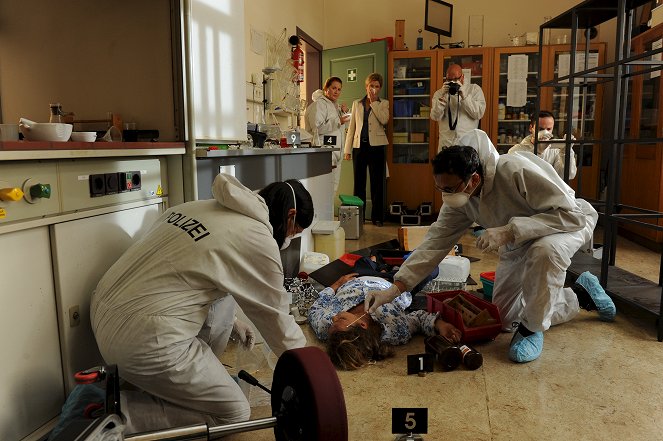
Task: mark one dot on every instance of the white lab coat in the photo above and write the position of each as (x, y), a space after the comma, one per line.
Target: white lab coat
(322, 118)
(164, 311)
(551, 153)
(472, 108)
(549, 225)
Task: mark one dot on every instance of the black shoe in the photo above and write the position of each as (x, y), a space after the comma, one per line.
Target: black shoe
(378, 223)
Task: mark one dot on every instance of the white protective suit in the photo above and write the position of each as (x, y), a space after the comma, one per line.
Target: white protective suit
(549, 225)
(322, 117)
(472, 108)
(550, 153)
(165, 309)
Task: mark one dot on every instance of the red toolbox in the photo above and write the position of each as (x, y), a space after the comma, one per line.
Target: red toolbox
(439, 302)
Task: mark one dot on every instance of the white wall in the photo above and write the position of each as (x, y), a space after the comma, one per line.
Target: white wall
(359, 21)
(272, 16)
(268, 16)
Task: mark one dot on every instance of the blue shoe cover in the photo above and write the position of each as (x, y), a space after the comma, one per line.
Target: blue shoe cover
(525, 349)
(604, 304)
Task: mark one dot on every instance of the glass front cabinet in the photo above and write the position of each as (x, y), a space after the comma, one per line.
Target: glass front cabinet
(508, 77)
(586, 108)
(414, 77)
(642, 164)
(514, 94)
(412, 82)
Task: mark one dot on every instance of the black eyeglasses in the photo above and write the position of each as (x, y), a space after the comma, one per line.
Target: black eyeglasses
(449, 189)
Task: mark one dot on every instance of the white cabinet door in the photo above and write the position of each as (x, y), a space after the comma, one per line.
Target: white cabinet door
(32, 391)
(83, 250)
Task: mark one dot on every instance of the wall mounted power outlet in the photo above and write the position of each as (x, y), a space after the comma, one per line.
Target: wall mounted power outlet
(74, 316)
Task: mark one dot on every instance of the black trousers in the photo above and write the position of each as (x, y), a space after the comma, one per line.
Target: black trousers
(373, 158)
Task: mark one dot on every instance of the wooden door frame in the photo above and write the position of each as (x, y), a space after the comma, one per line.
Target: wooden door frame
(311, 84)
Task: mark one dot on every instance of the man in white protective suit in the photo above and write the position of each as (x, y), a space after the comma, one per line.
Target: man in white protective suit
(457, 107)
(165, 310)
(555, 154)
(532, 219)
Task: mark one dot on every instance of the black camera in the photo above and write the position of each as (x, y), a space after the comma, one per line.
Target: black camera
(454, 87)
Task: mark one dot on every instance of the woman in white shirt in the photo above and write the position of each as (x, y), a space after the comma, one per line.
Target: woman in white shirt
(367, 140)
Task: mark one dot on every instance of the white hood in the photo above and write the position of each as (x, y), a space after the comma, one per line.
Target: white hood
(488, 155)
(317, 95)
(230, 193)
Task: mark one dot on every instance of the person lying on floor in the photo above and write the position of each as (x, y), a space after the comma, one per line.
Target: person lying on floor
(354, 338)
(376, 266)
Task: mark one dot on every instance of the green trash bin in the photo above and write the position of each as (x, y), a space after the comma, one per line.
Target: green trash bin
(351, 216)
(350, 200)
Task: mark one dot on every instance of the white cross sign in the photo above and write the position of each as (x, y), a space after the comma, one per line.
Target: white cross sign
(352, 75)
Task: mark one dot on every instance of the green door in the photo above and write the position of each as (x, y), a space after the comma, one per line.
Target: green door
(353, 64)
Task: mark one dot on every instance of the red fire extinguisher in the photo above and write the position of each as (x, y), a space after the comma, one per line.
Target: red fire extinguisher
(297, 59)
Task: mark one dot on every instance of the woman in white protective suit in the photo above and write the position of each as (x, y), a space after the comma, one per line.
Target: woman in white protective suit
(325, 119)
(165, 310)
(535, 222)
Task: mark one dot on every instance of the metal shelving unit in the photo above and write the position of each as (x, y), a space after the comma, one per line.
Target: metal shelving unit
(580, 19)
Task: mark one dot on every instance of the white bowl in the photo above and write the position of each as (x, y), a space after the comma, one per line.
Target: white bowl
(84, 136)
(46, 131)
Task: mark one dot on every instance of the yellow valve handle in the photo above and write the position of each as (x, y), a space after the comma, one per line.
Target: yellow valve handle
(10, 194)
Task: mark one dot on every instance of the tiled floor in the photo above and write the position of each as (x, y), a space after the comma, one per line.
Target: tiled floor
(594, 380)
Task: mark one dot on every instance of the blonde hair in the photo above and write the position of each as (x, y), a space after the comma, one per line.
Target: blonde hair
(354, 348)
(374, 77)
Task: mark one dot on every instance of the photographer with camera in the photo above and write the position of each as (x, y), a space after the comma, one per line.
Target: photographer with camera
(457, 107)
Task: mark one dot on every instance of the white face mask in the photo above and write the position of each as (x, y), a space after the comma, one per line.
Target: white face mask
(456, 200)
(286, 242)
(545, 135)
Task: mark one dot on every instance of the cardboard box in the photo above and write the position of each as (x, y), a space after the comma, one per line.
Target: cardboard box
(417, 137)
(411, 237)
(657, 15)
(399, 40)
(400, 137)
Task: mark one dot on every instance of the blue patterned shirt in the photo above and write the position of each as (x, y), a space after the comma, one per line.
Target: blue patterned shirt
(398, 327)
